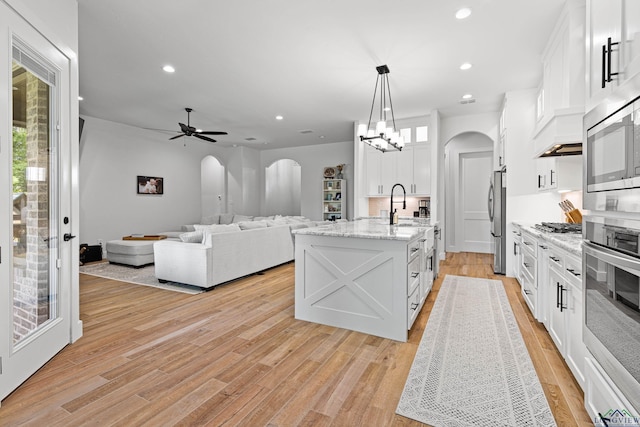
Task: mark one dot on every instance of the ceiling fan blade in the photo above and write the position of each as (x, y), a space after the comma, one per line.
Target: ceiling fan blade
(197, 135)
(209, 132)
(177, 136)
(184, 127)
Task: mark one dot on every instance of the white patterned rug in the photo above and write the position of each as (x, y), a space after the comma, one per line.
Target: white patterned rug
(472, 367)
(140, 276)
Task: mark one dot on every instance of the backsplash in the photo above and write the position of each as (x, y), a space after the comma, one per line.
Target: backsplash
(376, 204)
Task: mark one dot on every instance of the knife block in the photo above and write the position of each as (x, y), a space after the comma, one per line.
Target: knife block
(574, 216)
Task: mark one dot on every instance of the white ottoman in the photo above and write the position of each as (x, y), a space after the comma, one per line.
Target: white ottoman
(136, 253)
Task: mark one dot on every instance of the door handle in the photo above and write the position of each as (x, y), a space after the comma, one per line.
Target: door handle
(68, 236)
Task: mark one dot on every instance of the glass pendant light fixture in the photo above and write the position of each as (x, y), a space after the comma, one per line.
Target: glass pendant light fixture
(384, 136)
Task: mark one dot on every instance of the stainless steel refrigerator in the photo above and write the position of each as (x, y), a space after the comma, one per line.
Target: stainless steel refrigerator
(497, 216)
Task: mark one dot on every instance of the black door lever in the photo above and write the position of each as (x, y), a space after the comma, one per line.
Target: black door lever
(68, 236)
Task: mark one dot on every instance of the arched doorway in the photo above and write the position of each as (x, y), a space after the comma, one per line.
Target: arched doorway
(467, 175)
(213, 186)
(283, 184)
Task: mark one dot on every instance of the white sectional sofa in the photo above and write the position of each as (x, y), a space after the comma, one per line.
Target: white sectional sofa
(217, 253)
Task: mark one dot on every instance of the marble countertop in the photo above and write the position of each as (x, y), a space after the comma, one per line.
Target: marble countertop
(368, 228)
(570, 242)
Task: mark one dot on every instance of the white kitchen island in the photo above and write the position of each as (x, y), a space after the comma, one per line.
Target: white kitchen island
(364, 275)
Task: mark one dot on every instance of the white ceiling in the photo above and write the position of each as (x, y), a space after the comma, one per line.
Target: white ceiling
(239, 63)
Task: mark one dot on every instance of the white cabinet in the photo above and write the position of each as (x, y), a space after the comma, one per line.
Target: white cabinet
(409, 167)
(613, 54)
(602, 398)
(499, 145)
(543, 279)
(333, 199)
(529, 271)
(380, 171)
(559, 173)
(517, 252)
(564, 305)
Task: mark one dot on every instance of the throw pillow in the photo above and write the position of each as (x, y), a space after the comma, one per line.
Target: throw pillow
(226, 218)
(211, 219)
(249, 225)
(192, 237)
(241, 218)
(187, 228)
(275, 222)
(217, 228)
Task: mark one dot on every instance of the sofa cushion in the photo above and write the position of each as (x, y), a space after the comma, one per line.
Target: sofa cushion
(276, 222)
(192, 236)
(217, 228)
(187, 227)
(241, 218)
(226, 218)
(249, 225)
(210, 219)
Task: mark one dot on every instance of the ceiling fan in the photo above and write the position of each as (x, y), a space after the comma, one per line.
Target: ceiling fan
(188, 130)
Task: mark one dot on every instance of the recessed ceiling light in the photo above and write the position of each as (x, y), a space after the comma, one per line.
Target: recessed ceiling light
(279, 117)
(467, 96)
(80, 98)
(463, 13)
(169, 69)
(466, 66)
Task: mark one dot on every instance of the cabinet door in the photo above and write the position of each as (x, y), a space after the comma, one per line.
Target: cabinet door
(575, 348)
(372, 158)
(422, 169)
(604, 21)
(543, 279)
(555, 296)
(388, 171)
(631, 37)
(404, 169)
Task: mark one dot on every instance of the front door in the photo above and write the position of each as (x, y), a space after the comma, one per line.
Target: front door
(35, 299)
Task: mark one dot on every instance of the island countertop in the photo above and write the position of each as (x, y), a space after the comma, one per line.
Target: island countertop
(371, 228)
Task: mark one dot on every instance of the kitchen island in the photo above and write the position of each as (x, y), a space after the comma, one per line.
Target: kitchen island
(364, 275)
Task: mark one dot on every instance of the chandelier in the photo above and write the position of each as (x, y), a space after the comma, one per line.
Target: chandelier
(382, 137)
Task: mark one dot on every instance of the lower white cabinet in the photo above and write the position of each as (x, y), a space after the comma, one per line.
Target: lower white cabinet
(602, 399)
(564, 304)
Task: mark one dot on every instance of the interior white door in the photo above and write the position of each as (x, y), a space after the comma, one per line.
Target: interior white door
(35, 269)
(472, 216)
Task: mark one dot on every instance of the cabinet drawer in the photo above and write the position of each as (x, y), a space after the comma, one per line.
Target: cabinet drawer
(413, 249)
(573, 269)
(556, 260)
(601, 395)
(413, 307)
(413, 275)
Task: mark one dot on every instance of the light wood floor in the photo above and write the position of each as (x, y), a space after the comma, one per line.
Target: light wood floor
(236, 355)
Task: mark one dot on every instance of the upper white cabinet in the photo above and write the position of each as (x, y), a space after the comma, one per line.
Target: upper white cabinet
(560, 96)
(499, 144)
(409, 167)
(413, 171)
(380, 171)
(613, 51)
(559, 173)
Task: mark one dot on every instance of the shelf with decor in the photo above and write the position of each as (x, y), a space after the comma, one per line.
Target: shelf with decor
(333, 200)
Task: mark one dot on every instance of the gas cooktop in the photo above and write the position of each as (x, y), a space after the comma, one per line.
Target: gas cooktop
(559, 227)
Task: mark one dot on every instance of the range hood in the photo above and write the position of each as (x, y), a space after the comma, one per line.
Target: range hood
(560, 134)
(566, 149)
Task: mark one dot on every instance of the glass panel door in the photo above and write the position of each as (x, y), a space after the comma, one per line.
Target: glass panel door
(35, 284)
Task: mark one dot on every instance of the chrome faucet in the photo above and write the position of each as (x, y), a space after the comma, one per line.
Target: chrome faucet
(404, 202)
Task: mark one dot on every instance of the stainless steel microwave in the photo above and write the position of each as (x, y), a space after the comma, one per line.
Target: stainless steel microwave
(612, 152)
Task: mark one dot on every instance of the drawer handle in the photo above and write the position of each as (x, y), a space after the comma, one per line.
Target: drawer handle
(527, 243)
(544, 247)
(414, 250)
(526, 265)
(414, 305)
(554, 259)
(528, 292)
(572, 271)
(414, 275)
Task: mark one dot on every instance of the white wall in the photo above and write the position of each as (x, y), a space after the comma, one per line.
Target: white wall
(112, 155)
(313, 159)
(283, 187)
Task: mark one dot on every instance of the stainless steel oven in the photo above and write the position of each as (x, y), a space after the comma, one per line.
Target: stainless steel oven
(611, 268)
(612, 152)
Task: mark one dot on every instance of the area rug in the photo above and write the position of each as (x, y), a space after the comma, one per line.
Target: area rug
(472, 367)
(140, 276)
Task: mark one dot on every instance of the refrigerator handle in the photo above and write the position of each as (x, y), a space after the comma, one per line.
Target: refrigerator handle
(490, 201)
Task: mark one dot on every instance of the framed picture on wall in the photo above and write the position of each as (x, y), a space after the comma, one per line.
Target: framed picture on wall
(150, 185)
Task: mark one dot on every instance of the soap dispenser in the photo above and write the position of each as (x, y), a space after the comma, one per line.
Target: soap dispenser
(395, 217)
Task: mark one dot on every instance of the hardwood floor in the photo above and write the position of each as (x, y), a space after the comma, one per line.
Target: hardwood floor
(237, 356)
